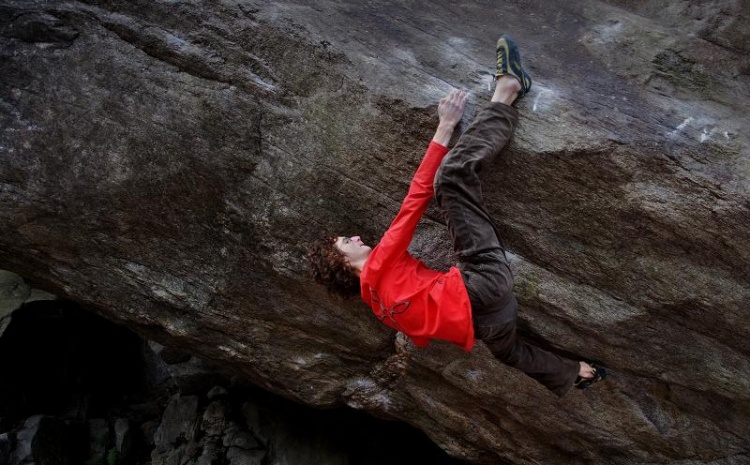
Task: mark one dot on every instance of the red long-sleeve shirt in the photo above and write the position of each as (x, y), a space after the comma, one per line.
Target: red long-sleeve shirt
(402, 291)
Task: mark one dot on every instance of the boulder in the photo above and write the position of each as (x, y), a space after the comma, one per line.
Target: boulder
(99, 440)
(14, 292)
(165, 164)
(42, 440)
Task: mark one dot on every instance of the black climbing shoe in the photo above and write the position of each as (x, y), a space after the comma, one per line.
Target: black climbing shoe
(599, 374)
(509, 62)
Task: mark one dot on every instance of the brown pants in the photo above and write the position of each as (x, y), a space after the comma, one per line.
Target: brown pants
(481, 254)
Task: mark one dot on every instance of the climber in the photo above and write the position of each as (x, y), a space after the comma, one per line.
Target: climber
(474, 300)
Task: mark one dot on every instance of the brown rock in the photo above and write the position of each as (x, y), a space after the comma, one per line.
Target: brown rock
(164, 163)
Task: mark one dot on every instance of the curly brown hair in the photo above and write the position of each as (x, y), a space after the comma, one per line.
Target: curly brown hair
(331, 269)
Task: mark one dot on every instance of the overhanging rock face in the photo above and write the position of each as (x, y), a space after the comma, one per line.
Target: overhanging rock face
(165, 163)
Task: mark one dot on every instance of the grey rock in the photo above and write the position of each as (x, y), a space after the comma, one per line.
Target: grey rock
(191, 375)
(158, 375)
(211, 455)
(179, 421)
(216, 392)
(234, 437)
(42, 441)
(123, 438)
(98, 440)
(165, 163)
(23, 453)
(14, 292)
(169, 456)
(214, 419)
(7, 445)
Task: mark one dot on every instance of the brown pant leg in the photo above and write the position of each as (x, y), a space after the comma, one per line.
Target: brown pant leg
(458, 190)
(556, 373)
(481, 254)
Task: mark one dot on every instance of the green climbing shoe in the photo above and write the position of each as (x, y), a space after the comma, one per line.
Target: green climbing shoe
(599, 374)
(509, 62)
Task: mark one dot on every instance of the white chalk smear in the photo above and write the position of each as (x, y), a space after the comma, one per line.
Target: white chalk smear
(538, 97)
(682, 126)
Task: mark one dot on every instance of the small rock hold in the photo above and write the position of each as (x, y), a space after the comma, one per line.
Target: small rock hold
(217, 392)
(40, 27)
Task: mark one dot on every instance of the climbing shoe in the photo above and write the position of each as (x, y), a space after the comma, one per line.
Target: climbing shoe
(599, 374)
(509, 62)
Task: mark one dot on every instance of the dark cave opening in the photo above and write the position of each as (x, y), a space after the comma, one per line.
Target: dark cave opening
(64, 361)
(79, 372)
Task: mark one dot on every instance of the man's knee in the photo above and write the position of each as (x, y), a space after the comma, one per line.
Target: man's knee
(453, 167)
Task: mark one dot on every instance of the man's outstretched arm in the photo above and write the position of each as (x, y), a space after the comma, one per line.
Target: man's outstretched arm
(399, 234)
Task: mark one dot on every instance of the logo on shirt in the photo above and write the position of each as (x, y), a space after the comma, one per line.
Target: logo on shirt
(389, 313)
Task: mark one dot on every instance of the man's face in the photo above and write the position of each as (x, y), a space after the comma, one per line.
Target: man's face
(353, 248)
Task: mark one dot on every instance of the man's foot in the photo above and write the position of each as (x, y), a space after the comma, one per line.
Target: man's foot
(506, 89)
(589, 374)
(509, 63)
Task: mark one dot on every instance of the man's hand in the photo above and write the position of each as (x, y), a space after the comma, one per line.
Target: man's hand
(450, 111)
(451, 108)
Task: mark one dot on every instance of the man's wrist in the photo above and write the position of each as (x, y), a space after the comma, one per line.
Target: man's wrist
(443, 133)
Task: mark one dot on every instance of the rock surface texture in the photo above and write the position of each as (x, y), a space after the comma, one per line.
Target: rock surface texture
(165, 163)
